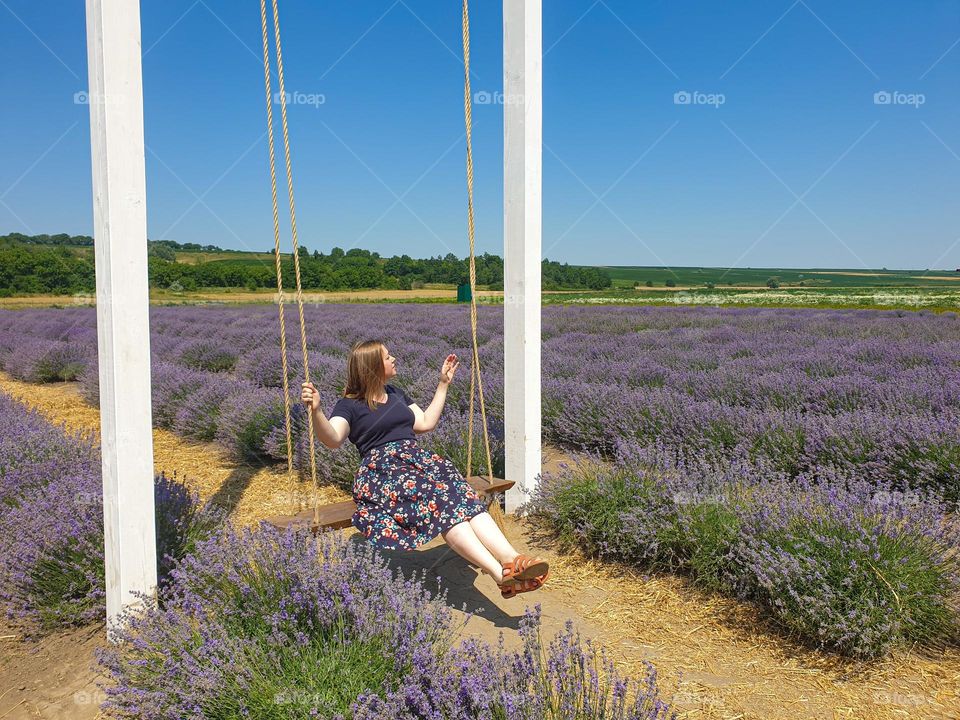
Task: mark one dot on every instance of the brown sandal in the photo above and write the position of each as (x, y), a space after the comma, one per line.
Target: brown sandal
(514, 587)
(525, 567)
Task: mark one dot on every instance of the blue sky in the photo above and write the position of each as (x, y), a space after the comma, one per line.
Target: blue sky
(782, 157)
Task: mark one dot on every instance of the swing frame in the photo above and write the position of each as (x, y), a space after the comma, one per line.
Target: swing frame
(114, 58)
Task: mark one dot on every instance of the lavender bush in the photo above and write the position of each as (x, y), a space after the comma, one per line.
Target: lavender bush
(198, 416)
(33, 453)
(272, 625)
(852, 567)
(567, 679)
(171, 384)
(42, 361)
(334, 467)
(247, 418)
(259, 623)
(849, 566)
(51, 523)
(208, 354)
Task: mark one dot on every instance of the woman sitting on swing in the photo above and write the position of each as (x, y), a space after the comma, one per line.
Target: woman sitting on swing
(406, 495)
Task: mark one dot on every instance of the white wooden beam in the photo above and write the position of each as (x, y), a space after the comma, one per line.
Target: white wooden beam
(522, 179)
(120, 231)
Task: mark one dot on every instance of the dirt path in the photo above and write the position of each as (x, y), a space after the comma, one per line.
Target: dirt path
(718, 658)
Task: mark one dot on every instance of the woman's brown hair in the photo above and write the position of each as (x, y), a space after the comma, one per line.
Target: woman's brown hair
(365, 377)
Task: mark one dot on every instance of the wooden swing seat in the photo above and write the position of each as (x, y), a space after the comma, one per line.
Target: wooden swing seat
(337, 516)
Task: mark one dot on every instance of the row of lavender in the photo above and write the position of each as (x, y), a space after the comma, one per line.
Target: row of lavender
(51, 522)
(256, 623)
(217, 374)
(849, 565)
(873, 394)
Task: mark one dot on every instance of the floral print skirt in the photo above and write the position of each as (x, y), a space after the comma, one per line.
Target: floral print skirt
(406, 496)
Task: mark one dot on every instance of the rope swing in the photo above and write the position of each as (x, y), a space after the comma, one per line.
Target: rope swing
(475, 379)
(476, 383)
(276, 241)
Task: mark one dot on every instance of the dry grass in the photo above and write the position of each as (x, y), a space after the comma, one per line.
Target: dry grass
(717, 657)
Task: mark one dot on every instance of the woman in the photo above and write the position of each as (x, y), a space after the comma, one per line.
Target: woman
(406, 495)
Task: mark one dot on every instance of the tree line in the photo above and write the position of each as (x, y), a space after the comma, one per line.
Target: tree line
(52, 264)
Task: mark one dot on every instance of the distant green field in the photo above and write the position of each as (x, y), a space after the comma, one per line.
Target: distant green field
(908, 298)
(238, 258)
(628, 276)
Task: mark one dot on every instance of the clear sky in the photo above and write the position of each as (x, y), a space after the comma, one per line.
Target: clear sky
(783, 156)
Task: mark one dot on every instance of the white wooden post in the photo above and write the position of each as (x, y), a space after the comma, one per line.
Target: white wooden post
(522, 179)
(115, 96)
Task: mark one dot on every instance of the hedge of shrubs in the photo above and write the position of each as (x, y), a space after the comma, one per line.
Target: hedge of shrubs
(848, 566)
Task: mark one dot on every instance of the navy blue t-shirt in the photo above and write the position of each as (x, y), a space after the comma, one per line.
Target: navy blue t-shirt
(392, 420)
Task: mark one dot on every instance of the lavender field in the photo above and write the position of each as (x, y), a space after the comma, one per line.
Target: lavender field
(870, 394)
(250, 624)
(808, 460)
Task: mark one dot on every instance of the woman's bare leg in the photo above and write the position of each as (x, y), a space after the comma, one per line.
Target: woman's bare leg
(492, 537)
(465, 543)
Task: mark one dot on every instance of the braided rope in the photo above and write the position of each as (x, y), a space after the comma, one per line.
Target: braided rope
(476, 381)
(293, 228)
(276, 245)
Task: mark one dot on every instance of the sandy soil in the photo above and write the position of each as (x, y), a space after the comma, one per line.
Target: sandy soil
(717, 658)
